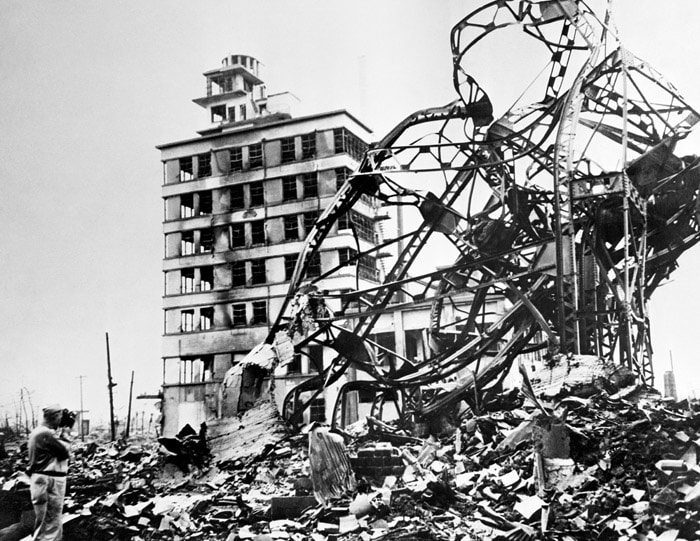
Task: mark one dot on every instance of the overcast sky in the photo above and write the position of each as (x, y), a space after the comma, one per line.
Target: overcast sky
(89, 88)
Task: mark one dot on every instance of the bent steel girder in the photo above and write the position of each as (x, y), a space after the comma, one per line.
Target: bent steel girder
(546, 228)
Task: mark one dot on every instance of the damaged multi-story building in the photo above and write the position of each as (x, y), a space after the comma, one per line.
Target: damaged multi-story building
(239, 199)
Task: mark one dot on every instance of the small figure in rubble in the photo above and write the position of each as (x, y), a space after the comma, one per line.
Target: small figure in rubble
(48, 450)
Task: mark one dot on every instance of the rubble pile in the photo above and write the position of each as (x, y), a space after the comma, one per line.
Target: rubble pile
(632, 474)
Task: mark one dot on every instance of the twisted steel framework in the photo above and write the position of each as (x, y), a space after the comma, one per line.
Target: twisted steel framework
(573, 207)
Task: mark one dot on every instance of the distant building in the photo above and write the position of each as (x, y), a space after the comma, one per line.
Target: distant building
(239, 200)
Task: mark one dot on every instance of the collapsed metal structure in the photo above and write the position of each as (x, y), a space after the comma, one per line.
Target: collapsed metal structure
(571, 205)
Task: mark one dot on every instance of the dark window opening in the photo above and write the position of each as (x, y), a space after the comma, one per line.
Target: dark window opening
(346, 141)
(237, 233)
(205, 203)
(257, 231)
(291, 228)
(345, 255)
(206, 278)
(289, 189)
(258, 274)
(243, 113)
(310, 184)
(187, 243)
(238, 315)
(317, 410)
(232, 114)
(204, 165)
(310, 219)
(257, 194)
(366, 396)
(343, 221)
(237, 198)
(259, 312)
(186, 320)
(236, 159)
(314, 265)
(206, 319)
(186, 205)
(315, 358)
(206, 241)
(255, 155)
(186, 280)
(308, 146)
(218, 113)
(290, 262)
(238, 274)
(294, 366)
(287, 144)
(341, 175)
(367, 268)
(186, 169)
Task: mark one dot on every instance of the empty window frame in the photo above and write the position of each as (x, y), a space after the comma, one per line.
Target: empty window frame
(291, 227)
(237, 197)
(232, 114)
(191, 370)
(344, 221)
(242, 113)
(259, 312)
(218, 113)
(257, 194)
(290, 262)
(258, 272)
(237, 235)
(294, 366)
(186, 205)
(204, 165)
(287, 144)
(206, 318)
(310, 219)
(308, 146)
(345, 255)
(238, 316)
(289, 189)
(341, 175)
(187, 243)
(238, 274)
(206, 278)
(314, 265)
(317, 410)
(187, 321)
(257, 231)
(186, 169)
(367, 268)
(186, 280)
(310, 185)
(255, 155)
(206, 241)
(236, 159)
(205, 203)
(315, 358)
(346, 141)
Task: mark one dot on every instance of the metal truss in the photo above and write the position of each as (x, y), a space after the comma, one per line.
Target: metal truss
(570, 207)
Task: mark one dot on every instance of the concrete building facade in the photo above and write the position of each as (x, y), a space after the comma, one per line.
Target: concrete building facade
(239, 200)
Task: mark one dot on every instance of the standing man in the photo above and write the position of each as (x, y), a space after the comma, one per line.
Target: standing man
(48, 467)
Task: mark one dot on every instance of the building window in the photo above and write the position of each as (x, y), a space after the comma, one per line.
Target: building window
(237, 234)
(232, 114)
(206, 241)
(238, 273)
(294, 366)
(257, 194)
(186, 169)
(314, 265)
(291, 227)
(204, 165)
(290, 263)
(186, 280)
(367, 268)
(317, 410)
(206, 319)
(345, 255)
(257, 231)
(315, 358)
(364, 226)
(206, 278)
(287, 149)
(310, 184)
(239, 318)
(343, 221)
(310, 219)
(186, 206)
(187, 243)
(205, 203)
(341, 175)
(308, 146)
(191, 370)
(218, 113)
(237, 198)
(186, 320)
(258, 272)
(242, 112)
(259, 312)
(236, 159)
(289, 189)
(255, 155)
(346, 141)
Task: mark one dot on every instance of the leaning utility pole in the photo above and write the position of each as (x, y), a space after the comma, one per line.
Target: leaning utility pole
(128, 415)
(109, 386)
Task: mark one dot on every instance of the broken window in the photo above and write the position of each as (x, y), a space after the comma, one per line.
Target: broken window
(242, 112)
(255, 155)
(347, 142)
(232, 114)
(315, 358)
(186, 205)
(317, 410)
(204, 165)
(341, 175)
(257, 231)
(308, 146)
(287, 144)
(343, 221)
(364, 226)
(259, 312)
(345, 255)
(310, 185)
(315, 265)
(191, 370)
(218, 113)
(205, 203)
(206, 278)
(237, 198)
(186, 320)
(238, 273)
(289, 189)
(367, 268)
(290, 262)
(236, 159)
(187, 243)
(291, 227)
(237, 234)
(294, 366)
(186, 169)
(206, 241)
(186, 280)
(258, 274)
(238, 315)
(206, 319)
(310, 219)
(257, 194)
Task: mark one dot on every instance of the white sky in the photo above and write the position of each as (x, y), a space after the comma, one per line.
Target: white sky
(88, 88)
